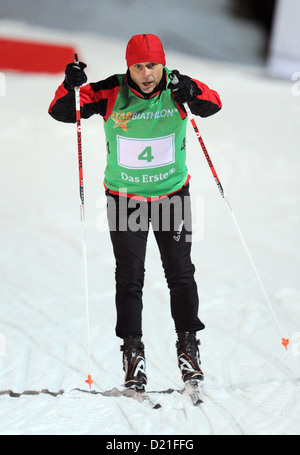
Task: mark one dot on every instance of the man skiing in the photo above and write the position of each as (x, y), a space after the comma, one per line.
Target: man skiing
(147, 183)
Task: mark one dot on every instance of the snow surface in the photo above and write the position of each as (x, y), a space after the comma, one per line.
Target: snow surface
(252, 383)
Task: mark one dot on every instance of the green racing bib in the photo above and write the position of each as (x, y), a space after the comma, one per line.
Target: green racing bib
(146, 144)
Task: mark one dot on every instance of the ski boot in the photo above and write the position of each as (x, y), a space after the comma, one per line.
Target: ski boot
(189, 357)
(134, 363)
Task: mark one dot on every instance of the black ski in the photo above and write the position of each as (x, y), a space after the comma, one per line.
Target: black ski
(192, 389)
(139, 395)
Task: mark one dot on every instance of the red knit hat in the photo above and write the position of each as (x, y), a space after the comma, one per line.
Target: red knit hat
(145, 48)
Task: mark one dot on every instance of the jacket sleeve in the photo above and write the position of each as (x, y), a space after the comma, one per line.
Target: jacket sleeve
(95, 98)
(207, 102)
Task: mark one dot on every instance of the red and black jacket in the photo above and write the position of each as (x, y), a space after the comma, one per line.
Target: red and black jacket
(99, 98)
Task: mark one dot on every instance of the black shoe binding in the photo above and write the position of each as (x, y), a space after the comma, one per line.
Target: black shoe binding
(189, 357)
(134, 363)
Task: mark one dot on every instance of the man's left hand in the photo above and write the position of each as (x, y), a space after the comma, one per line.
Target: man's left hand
(185, 90)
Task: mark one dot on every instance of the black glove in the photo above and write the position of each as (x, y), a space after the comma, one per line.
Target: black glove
(75, 75)
(185, 90)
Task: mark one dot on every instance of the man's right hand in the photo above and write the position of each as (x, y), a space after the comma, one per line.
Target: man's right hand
(75, 75)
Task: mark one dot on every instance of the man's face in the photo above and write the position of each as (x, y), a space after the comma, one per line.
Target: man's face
(146, 75)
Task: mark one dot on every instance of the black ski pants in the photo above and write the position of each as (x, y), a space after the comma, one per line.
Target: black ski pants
(129, 221)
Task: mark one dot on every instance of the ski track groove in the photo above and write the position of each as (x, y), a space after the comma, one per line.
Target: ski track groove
(275, 362)
(228, 418)
(13, 424)
(259, 351)
(210, 426)
(34, 343)
(245, 399)
(126, 418)
(202, 409)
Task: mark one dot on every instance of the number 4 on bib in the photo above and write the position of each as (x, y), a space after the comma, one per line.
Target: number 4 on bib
(146, 155)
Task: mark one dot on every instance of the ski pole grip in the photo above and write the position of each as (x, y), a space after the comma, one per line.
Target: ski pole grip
(76, 61)
(174, 80)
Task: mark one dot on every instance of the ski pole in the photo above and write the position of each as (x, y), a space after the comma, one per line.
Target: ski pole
(174, 80)
(89, 380)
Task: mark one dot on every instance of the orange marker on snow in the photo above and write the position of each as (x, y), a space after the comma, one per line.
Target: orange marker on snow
(285, 342)
(89, 380)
